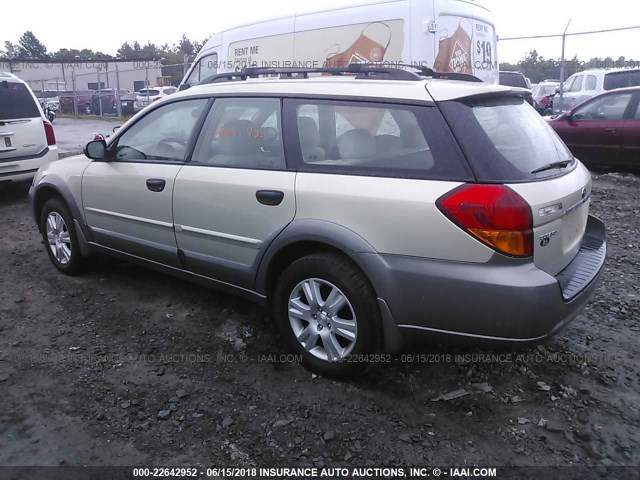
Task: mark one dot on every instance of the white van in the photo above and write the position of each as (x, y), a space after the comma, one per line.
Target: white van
(446, 35)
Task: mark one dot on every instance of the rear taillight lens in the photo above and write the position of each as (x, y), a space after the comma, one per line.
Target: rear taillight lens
(494, 214)
(48, 130)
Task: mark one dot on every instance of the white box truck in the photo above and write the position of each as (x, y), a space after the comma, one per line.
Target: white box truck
(446, 35)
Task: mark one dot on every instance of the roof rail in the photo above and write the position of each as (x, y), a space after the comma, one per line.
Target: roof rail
(361, 71)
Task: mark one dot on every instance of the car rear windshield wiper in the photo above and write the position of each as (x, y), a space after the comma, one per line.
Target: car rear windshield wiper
(551, 166)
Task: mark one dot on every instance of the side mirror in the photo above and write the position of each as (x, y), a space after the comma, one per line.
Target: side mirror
(96, 150)
(116, 128)
(184, 86)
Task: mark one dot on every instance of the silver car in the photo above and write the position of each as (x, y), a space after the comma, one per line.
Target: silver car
(364, 210)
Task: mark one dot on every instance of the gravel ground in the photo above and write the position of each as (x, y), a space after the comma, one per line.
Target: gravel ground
(126, 367)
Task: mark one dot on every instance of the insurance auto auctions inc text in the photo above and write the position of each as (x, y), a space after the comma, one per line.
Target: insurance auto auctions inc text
(354, 472)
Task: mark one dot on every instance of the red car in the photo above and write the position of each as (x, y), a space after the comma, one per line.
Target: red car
(605, 130)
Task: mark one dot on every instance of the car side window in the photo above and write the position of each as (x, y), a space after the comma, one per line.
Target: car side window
(608, 107)
(637, 115)
(577, 84)
(373, 138)
(590, 83)
(568, 84)
(242, 133)
(162, 135)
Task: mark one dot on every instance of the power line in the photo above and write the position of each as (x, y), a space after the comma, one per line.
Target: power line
(570, 34)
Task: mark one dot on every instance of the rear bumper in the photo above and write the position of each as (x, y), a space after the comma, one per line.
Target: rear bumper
(24, 168)
(503, 301)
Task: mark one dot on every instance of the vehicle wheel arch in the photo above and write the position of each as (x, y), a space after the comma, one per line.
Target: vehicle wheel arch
(54, 187)
(302, 238)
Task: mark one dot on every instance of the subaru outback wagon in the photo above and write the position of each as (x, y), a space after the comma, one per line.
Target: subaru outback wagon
(363, 209)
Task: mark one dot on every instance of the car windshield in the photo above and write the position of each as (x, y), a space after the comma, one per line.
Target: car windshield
(615, 80)
(16, 102)
(504, 139)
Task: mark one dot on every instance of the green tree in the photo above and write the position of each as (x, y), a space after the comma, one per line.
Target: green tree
(31, 47)
(11, 50)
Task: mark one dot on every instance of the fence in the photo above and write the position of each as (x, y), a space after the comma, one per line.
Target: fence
(105, 89)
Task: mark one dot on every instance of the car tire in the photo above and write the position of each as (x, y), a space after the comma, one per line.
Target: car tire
(60, 239)
(336, 340)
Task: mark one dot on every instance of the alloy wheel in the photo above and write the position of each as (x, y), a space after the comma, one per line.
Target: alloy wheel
(322, 319)
(59, 238)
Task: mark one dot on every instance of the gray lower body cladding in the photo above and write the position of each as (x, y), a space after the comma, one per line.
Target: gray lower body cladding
(503, 301)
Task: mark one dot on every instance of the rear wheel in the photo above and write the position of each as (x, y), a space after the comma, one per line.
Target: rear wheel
(60, 239)
(327, 312)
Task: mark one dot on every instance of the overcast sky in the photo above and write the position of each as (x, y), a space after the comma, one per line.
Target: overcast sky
(76, 24)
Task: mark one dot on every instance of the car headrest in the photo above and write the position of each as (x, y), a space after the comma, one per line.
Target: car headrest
(239, 138)
(309, 133)
(355, 144)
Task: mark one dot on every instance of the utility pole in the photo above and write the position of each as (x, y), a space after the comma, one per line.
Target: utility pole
(75, 93)
(562, 65)
(99, 91)
(118, 99)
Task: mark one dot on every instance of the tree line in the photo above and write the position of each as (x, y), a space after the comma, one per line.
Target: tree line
(29, 47)
(537, 68)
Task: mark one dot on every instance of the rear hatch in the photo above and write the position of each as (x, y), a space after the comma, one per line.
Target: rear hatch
(507, 143)
(145, 97)
(21, 125)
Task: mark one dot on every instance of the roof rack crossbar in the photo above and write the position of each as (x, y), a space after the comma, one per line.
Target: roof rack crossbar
(360, 70)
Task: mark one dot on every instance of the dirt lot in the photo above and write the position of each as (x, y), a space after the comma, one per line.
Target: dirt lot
(126, 367)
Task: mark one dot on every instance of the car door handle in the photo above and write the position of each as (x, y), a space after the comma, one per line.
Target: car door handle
(610, 130)
(156, 184)
(270, 197)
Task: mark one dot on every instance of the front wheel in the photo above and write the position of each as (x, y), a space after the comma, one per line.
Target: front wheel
(327, 313)
(59, 235)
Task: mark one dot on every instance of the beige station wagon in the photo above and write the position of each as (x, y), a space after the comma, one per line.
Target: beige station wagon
(366, 207)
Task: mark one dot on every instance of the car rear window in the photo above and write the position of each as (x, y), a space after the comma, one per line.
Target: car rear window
(150, 92)
(504, 139)
(513, 80)
(16, 102)
(615, 80)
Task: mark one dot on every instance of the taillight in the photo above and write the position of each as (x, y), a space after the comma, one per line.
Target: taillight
(494, 214)
(48, 130)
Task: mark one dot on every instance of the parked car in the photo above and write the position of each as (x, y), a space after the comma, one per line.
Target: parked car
(604, 131)
(516, 79)
(147, 96)
(582, 86)
(27, 139)
(109, 100)
(128, 102)
(543, 95)
(84, 99)
(404, 206)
